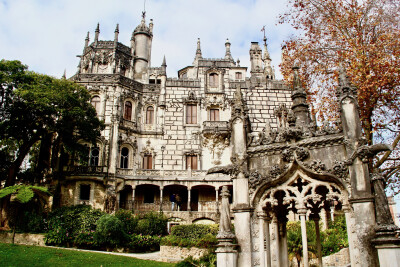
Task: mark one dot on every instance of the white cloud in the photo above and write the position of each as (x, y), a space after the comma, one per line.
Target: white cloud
(47, 35)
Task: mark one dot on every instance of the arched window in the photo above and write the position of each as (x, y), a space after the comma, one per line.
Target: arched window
(94, 156)
(150, 115)
(96, 104)
(213, 80)
(124, 158)
(128, 110)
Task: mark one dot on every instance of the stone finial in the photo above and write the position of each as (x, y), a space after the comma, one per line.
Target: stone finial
(151, 25)
(64, 76)
(96, 35)
(228, 54)
(238, 62)
(87, 40)
(116, 32)
(296, 77)
(345, 87)
(198, 50)
(164, 66)
(225, 225)
(164, 63)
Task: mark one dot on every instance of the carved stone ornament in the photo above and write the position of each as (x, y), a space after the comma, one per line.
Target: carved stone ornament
(225, 225)
(300, 152)
(110, 199)
(103, 57)
(316, 166)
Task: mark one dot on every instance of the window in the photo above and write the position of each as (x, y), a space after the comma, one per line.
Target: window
(238, 75)
(94, 156)
(96, 104)
(214, 114)
(213, 80)
(191, 114)
(148, 196)
(128, 110)
(191, 161)
(150, 115)
(147, 162)
(124, 158)
(84, 192)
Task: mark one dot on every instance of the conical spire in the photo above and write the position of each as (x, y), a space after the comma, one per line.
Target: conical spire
(116, 32)
(345, 87)
(96, 36)
(87, 40)
(164, 65)
(299, 99)
(266, 53)
(198, 50)
(64, 76)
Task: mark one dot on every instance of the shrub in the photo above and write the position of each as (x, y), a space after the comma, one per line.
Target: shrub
(208, 260)
(192, 235)
(152, 223)
(110, 232)
(129, 220)
(334, 238)
(31, 222)
(144, 243)
(67, 223)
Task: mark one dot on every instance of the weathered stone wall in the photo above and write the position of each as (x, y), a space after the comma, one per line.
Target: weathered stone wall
(23, 239)
(175, 254)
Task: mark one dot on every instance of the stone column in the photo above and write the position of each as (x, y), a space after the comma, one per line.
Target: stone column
(267, 221)
(161, 197)
(189, 196)
(283, 244)
(302, 213)
(133, 198)
(261, 236)
(318, 239)
(216, 200)
(275, 252)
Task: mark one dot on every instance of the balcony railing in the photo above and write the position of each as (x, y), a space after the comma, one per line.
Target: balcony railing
(85, 169)
(216, 127)
(140, 206)
(131, 125)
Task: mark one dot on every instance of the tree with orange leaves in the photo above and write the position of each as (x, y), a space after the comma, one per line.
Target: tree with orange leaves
(365, 37)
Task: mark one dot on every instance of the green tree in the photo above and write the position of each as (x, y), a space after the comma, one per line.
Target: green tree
(41, 112)
(21, 195)
(294, 240)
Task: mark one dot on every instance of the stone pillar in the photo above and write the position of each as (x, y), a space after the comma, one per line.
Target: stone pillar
(189, 196)
(274, 246)
(302, 214)
(261, 239)
(216, 200)
(318, 239)
(133, 198)
(323, 215)
(283, 244)
(161, 197)
(267, 222)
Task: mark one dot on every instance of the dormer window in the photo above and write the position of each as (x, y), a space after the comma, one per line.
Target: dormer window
(213, 80)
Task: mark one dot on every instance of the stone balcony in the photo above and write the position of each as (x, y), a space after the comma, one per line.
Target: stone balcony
(216, 127)
(129, 125)
(85, 170)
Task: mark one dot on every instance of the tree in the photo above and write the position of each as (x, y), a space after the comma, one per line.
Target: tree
(365, 37)
(43, 113)
(23, 194)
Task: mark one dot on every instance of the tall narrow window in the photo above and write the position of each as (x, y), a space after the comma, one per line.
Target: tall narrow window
(147, 162)
(96, 104)
(191, 114)
(128, 110)
(124, 158)
(214, 114)
(94, 156)
(213, 80)
(191, 161)
(150, 115)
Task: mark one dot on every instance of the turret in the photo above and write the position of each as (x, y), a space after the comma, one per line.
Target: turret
(142, 41)
(255, 58)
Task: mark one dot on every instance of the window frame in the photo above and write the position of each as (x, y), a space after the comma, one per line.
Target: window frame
(124, 160)
(191, 113)
(96, 104)
(149, 115)
(213, 79)
(146, 163)
(92, 158)
(190, 159)
(214, 114)
(128, 110)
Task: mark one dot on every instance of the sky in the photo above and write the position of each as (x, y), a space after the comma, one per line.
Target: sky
(47, 35)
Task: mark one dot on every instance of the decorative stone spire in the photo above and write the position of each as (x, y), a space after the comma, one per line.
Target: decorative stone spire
(151, 25)
(299, 99)
(116, 32)
(198, 50)
(164, 66)
(269, 72)
(86, 41)
(96, 35)
(64, 76)
(345, 88)
(228, 54)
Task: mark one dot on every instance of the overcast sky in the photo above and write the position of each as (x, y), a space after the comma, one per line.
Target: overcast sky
(48, 34)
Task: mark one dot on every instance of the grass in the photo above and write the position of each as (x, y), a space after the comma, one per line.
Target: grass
(20, 255)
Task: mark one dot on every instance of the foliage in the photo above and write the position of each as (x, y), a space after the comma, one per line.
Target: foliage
(110, 232)
(208, 260)
(144, 243)
(152, 223)
(67, 224)
(31, 221)
(24, 193)
(364, 36)
(34, 256)
(38, 108)
(192, 235)
(335, 237)
(129, 221)
(294, 240)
